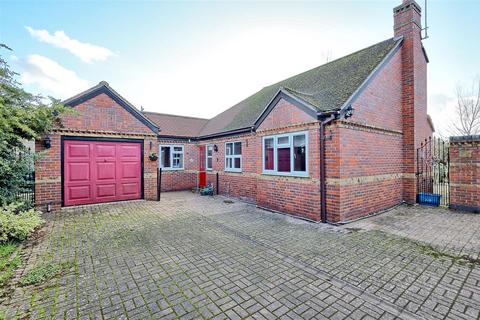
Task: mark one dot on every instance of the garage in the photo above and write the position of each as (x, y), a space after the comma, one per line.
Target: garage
(96, 171)
(105, 150)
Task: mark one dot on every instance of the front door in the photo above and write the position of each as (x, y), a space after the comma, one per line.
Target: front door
(202, 175)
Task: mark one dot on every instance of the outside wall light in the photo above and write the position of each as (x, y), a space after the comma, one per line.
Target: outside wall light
(47, 142)
(215, 148)
(349, 112)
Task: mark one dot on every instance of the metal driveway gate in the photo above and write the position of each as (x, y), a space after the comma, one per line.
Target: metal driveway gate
(433, 171)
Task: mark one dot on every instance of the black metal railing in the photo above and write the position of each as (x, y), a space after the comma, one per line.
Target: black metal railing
(26, 192)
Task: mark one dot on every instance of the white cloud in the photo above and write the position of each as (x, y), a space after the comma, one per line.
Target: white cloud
(85, 51)
(442, 109)
(219, 74)
(51, 76)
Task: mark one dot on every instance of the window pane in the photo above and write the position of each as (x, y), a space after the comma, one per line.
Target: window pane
(237, 163)
(229, 163)
(299, 141)
(282, 140)
(237, 148)
(165, 157)
(228, 149)
(209, 163)
(299, 153)
(268, 154)
(283, 159)
(209, 151)
(180, 164)
(177, 160)
(178, 149)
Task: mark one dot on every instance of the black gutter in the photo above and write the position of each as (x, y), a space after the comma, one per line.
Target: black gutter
(173, 137)
(323, 184)
(225, 133)
(209, 136)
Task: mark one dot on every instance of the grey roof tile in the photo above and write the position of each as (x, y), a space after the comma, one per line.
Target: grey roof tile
(326, 87)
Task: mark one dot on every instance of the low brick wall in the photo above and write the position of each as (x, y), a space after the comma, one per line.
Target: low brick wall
(465, 173)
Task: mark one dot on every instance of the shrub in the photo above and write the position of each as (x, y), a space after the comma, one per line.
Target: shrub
(16, 224)
(23, 117)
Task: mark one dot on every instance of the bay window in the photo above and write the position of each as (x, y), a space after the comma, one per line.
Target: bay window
(233, 156)
(286, 154)
(171, 157)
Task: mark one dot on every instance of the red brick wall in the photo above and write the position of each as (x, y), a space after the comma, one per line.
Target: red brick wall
(465, 173)
(285, 114)
(295, 195)
(103, 113)
(371, 169)
(380, 104)
(99, 117)
(236, 184)
(186, 179)
(48, 174)
(369, 150)
(150, 169)
(371, 157)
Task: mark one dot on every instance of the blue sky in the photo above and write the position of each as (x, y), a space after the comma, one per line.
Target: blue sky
(199, 58)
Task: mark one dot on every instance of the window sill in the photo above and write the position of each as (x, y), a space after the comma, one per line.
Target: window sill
(172, 169)
(286, 174)
(234, 170)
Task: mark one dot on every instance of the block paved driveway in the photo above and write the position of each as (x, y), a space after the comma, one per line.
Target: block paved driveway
(196, 257)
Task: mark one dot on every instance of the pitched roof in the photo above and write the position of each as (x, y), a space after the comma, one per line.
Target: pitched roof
(104, 87)
(326, 88)
(179, 126)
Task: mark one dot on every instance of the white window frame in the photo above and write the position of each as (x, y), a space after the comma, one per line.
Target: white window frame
(233, 157)
(207, 156)
(171, 146)
(290, 136)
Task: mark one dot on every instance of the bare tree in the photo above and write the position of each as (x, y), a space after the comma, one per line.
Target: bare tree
(468, 110)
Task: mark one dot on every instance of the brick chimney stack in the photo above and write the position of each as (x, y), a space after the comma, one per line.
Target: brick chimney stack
(407, 24)
(407, 18)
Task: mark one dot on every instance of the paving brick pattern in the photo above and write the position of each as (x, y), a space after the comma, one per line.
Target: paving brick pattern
(193, 257)
(447, 230)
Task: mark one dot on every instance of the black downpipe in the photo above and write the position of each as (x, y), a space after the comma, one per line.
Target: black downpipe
(159, 183)
(323, 184)
(217, 184)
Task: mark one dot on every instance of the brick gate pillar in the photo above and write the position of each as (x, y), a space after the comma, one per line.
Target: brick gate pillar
(465, 173)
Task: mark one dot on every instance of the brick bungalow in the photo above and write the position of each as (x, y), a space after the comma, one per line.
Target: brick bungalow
(334, 143)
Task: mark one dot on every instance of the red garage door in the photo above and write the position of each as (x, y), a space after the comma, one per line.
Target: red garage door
(97, 171)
